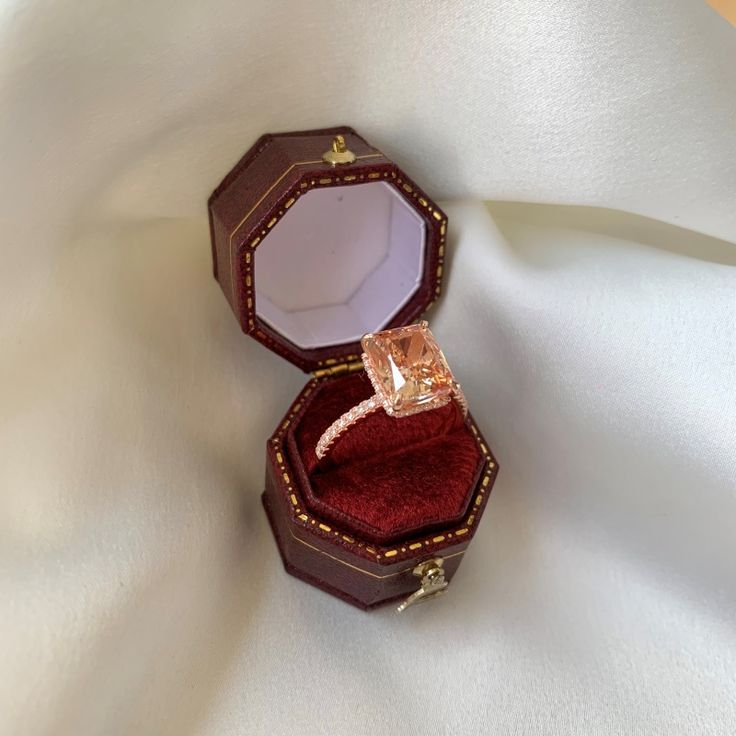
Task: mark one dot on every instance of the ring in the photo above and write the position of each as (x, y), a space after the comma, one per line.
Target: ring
(409, 374)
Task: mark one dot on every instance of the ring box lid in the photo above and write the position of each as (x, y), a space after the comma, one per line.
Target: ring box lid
(312, 254)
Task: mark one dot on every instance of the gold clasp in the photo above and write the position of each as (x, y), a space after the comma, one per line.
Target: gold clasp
(433, 583)
(339, 153)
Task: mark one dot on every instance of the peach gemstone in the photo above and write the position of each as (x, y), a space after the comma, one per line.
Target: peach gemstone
(407, 368)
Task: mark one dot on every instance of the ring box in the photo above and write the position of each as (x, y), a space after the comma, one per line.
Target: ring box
(318, 238)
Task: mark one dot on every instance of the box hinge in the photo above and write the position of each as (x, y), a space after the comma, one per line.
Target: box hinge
(338, 369)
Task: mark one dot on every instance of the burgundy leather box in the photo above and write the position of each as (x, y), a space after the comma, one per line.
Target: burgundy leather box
(318, 238)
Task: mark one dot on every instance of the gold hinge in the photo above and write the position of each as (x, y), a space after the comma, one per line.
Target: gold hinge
(338, 369)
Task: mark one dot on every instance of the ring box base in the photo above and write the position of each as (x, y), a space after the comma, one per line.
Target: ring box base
(334, 556)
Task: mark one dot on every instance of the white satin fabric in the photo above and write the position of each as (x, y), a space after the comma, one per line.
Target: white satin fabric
(140, 589)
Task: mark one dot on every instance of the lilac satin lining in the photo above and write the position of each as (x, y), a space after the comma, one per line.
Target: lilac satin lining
(339, 264)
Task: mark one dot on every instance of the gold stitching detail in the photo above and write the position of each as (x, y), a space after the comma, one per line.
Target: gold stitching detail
(251, 211)
(360, 569)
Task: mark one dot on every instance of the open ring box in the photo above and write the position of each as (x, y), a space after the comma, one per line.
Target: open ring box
(318, 238)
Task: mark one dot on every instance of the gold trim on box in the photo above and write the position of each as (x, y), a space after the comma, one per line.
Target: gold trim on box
(360, 569)
(267, 192)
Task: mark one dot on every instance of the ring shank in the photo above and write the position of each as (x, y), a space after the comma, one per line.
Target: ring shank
(362, 410)
(347, 420)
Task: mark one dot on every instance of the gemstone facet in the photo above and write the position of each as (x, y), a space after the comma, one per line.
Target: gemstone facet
(407, 369)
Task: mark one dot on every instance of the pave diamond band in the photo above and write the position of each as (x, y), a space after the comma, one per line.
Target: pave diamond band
(344, 423)
(409, 374)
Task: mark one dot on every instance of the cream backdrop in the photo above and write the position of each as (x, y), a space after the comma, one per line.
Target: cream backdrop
(140, 589)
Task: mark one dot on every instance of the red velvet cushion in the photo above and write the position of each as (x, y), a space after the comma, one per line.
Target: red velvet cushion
(386, 479)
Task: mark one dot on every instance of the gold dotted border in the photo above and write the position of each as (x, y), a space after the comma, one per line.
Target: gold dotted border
(360, 569)
(260, 201)
(314, 524)
(401, 184)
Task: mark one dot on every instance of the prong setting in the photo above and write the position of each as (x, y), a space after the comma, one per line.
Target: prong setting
(409, 375)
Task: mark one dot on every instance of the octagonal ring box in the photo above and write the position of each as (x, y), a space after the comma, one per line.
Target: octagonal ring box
(318, 238)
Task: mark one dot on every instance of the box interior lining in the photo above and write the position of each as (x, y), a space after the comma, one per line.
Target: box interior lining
(341, 262)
